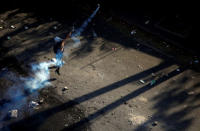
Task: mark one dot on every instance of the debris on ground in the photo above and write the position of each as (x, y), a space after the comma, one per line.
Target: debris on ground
(55, 27)
(1, 20)
(1, 27)
(142, 81)
(147, 22)
(155, 123)
(143, 99)
(178, 69)
(196, 61)
(153, 74)
(8, 37)
(133, 32)
(114, 49)
(139, 66)
(152, 82)
(94, 34)
(136, 119)
(34, 105)
(26, 27)
(12, 26)
(57, 39)
(109, 19)
(41, 101)
(65, 88)
(13, 113)
(191, 93)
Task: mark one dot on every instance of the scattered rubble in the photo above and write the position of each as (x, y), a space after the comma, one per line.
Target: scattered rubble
(8, 37)
(138, 44)
(196, 61)
(114, 49)
(34, 105)
(147, 22)
(13, 113)
(142, 81)
(65, 88)
(41, 101)
(57, 39)
(109, 19)
(139, 66)
(55, 27)
(137, 119)
(94, 34)
(153, 74)
(152, 82)
(26, 27)
(12, 26)
(191, 93)
(133, 32)
(155, 123)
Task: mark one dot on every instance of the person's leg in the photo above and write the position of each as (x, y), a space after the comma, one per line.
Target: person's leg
(58, 70)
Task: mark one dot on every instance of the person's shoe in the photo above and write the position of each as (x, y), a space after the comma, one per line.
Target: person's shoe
(57, 71)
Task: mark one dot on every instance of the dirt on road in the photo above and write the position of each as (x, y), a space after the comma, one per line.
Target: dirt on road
(114, 81)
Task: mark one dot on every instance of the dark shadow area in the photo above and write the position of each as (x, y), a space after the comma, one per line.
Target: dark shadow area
(175, 97)
(91, 95)
(122, 100)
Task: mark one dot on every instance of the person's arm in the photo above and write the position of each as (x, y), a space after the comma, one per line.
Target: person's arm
(64, 41)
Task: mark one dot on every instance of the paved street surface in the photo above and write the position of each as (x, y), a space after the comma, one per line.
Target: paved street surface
(115, 81)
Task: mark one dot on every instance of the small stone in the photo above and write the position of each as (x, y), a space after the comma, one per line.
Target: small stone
(133, 32)
(147, 22)
(65, 88)
(153, 74)
(1, 27)
(130, 105)
(109, 19)
(125, 102)
(41, 101)
(153, 82)
(34, 104)
(66, 125)
(139, 66)
(178, 69)
(142, 81)
(13, 113)
(55, 27)
(196, 61)
(191, 93)
(155, 123)
(12, 26)
(8, 37)
(26, 27)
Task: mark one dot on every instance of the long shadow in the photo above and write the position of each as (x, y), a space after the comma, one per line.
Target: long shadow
(120, 101)
(174, 97)
(47, 113)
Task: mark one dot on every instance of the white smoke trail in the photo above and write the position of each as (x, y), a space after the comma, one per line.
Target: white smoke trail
(78, 32)
(40, 77)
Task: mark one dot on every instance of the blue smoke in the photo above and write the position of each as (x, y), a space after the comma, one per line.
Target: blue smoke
(40, 74)
(84, 25)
